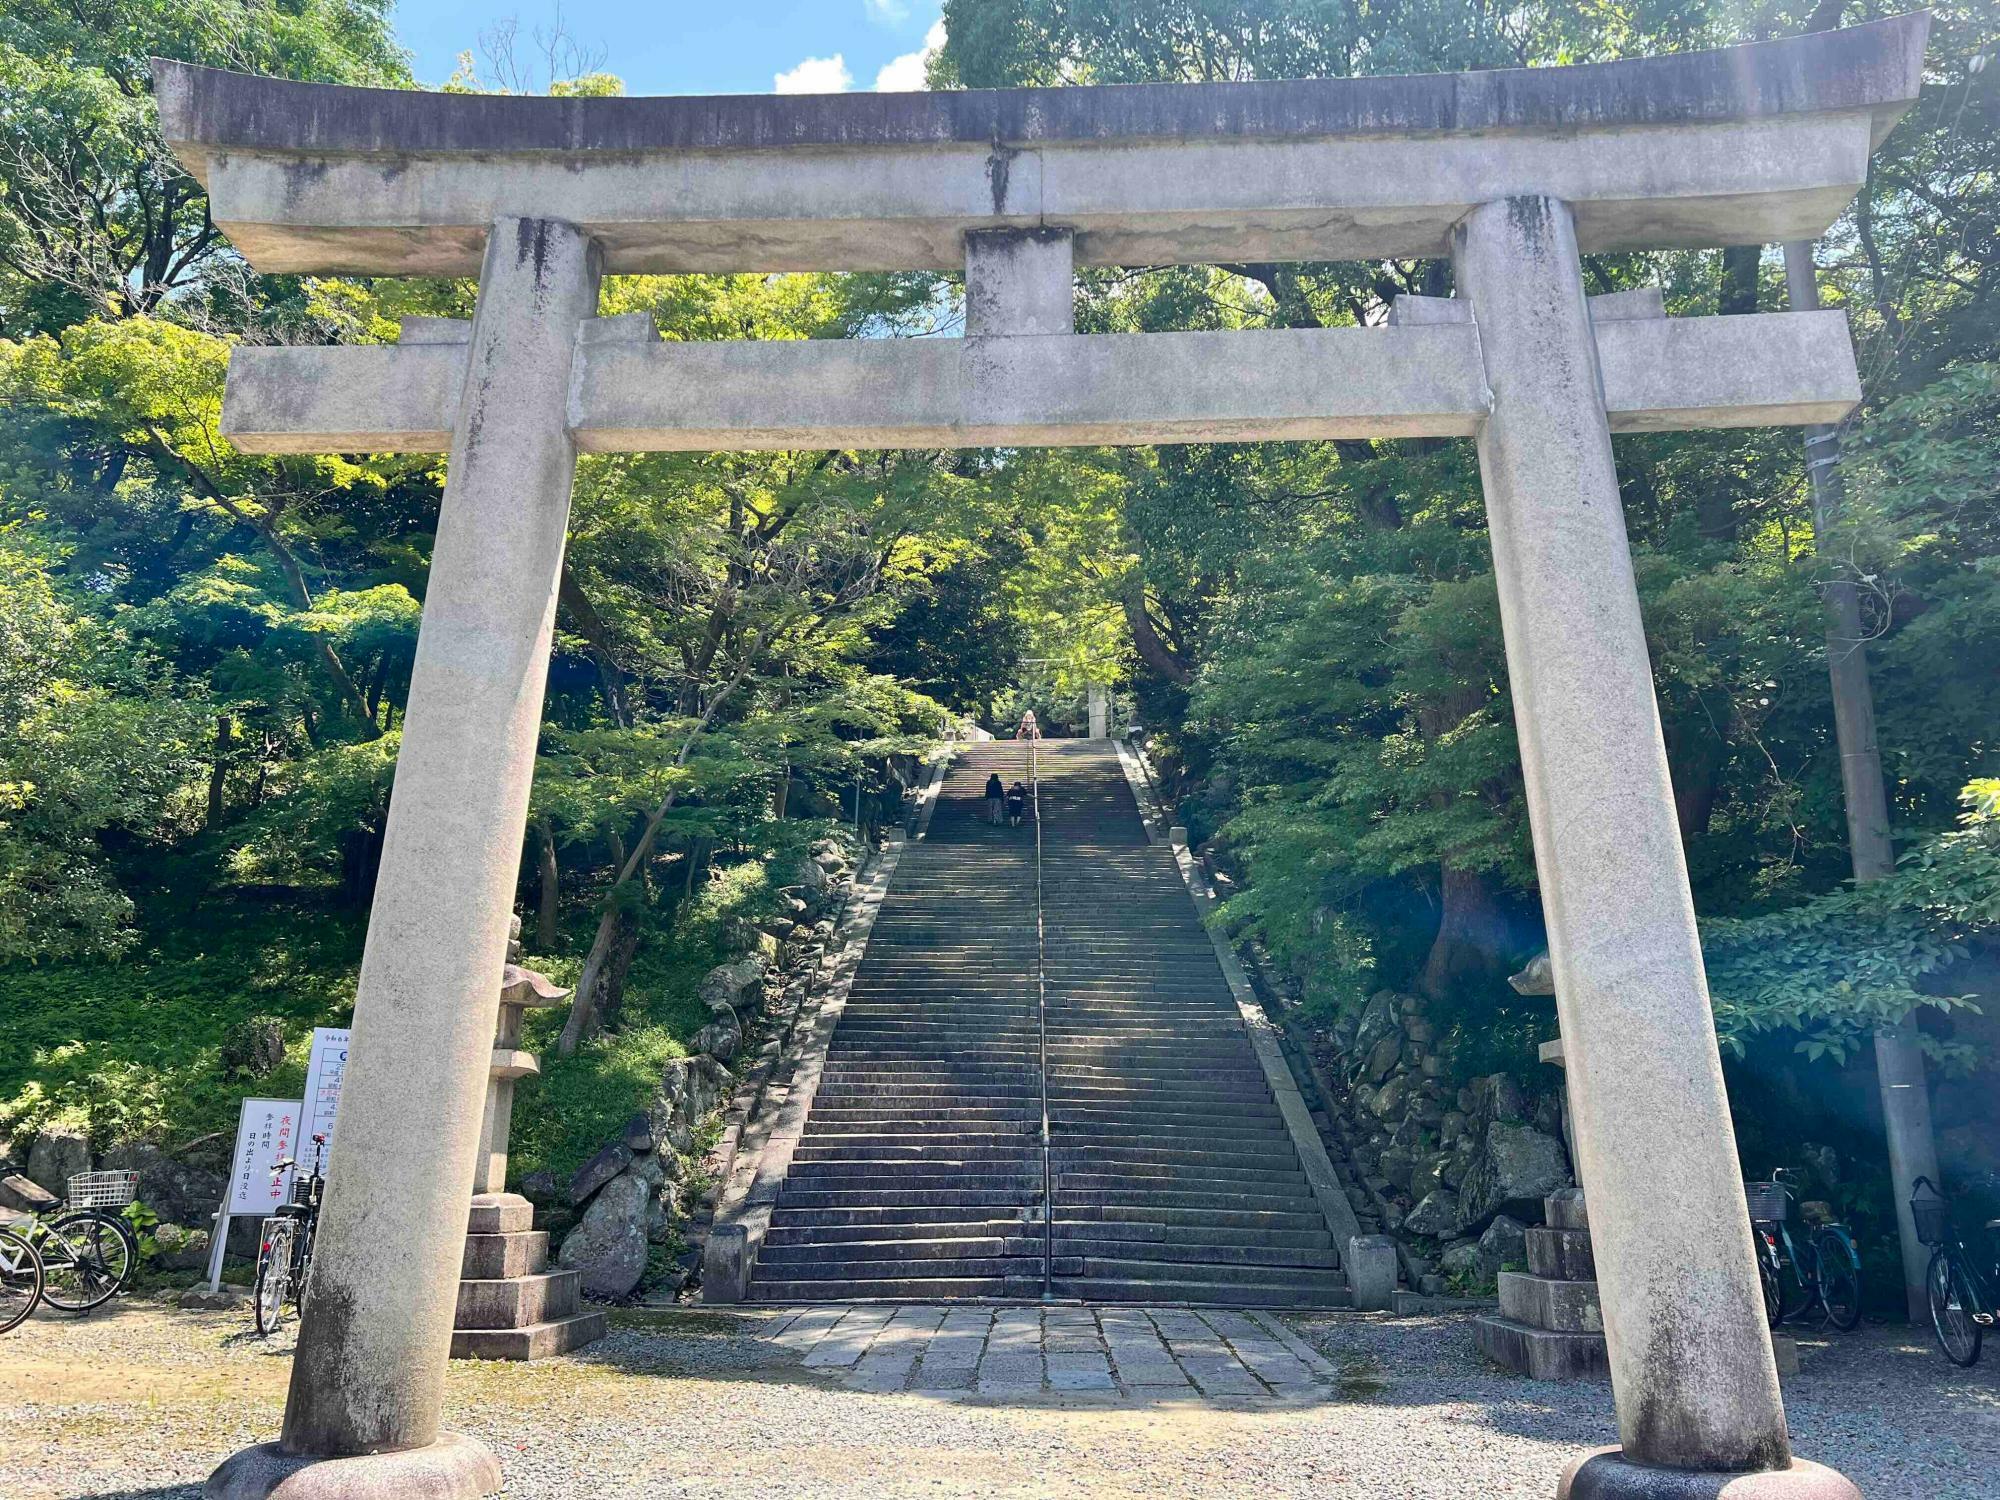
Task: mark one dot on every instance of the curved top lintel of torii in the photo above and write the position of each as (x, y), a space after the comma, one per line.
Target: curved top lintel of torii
(1750, 144)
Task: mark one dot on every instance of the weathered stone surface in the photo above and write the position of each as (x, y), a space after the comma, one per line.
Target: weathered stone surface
(59, 1153)
(1427, 1176)
(1395, 1164)
(25, 1195)
(223, 1299)
(609, 1245)
(541, 1186)
(637, 1135)
(1463, 1261)
(180, 1249)
(599, 1170)
(1383, 1056)
(179, 1191)
(1437, 1215)
(1518, 1168)
(1370, 1263)
(720, 1039)
(733, 986)
(1504, 1243)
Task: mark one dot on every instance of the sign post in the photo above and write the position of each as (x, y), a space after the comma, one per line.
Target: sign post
(267, 1131)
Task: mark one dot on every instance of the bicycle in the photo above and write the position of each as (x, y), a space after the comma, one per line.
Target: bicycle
(20, 1278)
(284, 1255)
(1825, 1267)
(1962, 1296)
(88, 1254)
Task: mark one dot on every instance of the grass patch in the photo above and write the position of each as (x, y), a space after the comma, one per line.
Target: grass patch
(131, 1048)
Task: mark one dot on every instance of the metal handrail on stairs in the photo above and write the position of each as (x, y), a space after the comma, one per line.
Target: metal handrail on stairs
(1042, 1016)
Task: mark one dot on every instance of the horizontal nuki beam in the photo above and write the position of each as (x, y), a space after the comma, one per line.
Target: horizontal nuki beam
(1419, 379)
(1746, 145)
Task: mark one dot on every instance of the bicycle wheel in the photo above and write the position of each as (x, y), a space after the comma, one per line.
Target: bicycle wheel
(1774, 1292)
(1839, 1279)
(20, 1279)
(86, 1260)
(1805, 1289)
(1951, 1310)
(274, 1280)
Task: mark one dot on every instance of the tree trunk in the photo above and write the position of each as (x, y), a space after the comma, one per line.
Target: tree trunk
(219, 770)
(1155, 652)
(1470, 943)
(582, 1019)
(1899, 1061)
(546, 932)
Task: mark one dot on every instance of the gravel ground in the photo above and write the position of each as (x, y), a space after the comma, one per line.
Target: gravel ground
(142, 1403)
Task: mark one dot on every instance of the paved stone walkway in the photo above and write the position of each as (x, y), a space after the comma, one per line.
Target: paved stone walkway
(1137, 1353)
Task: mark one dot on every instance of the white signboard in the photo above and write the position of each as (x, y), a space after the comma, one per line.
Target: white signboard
(324, 1072)
(266, 1132)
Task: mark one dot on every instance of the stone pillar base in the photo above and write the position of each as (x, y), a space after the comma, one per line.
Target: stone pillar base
(452, 1468)
(1607, 1475)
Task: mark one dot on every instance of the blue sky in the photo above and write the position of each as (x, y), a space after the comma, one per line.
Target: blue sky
(696, 46)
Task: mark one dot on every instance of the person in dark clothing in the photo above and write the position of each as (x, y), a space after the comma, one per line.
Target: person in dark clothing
(996, 794)
(1017, 804)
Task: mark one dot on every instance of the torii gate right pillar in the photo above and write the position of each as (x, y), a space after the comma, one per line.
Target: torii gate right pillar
(1691, 1367)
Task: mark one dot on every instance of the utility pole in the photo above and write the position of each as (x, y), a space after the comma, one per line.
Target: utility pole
(1899, 1062)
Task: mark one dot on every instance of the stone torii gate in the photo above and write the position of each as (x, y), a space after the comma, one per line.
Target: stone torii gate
(1510, 173)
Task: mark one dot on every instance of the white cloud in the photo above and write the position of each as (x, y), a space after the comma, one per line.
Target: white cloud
(817, 75)
(902, 74)
(887, 11)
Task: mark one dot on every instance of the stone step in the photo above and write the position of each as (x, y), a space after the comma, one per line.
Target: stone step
(536, 1341)
(1541, 1353)
(496, 1257)
(520, 1301)
(1162, 1285)
(1559, 1306)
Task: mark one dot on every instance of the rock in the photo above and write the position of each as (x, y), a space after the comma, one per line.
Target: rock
(689, 1088)
(1427, 1176)
(254, 1045)
(59, 1153)
(1517, 1169)
(1388, 1100)
(1504, 1244)
(720, 1038)
(732, 986)
(1437, 1215)
(540, 1186)
(780, 927)
(1463, 1262)
(179, 1191)
(1383, 1056)
(648, 1170)
(609, 1244)
(637, 1135)
(180, 1249)
(1452, 1126)
(25, 1195)
(810, 879)
(1395, 1165)
(1499, 1098)
(222, 1299)
(1537, 978)
(1378, 1019)
(594, 1174)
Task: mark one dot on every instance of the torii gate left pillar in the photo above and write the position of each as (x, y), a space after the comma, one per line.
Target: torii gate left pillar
(364, 1416)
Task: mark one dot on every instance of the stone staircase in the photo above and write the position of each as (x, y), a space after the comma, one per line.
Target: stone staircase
(920, 1170)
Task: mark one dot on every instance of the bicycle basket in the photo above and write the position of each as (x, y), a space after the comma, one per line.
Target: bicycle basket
(1769, 1203)
(1932, 1214)
(302, 1190)
(103, 1189)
